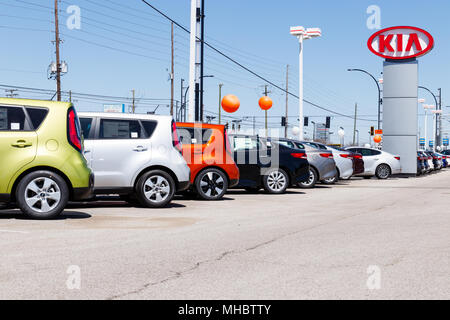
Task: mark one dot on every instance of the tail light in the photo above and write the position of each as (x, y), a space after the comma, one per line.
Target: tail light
(429, 158)
(299, 155)
(357, 156)
(175, 140)
(435, 158)
(73, 130)
(227, 142)
(398, 158)
(327, 155)
(346, 156)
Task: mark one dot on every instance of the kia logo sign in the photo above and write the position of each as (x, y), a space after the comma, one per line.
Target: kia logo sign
(401, 43)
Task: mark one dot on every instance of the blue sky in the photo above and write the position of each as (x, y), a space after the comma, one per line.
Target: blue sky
(124, 45)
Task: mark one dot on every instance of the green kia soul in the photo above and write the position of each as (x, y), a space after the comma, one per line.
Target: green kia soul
(41, 162)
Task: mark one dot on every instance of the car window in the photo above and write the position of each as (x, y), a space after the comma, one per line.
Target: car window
(375, 152)
(13, 119)
(86, 126)
(194, 135)
(37, 116)
(149, 127)
(369, 152)
(289, 144)
(245, 143)
(299, 145)
(120, 129)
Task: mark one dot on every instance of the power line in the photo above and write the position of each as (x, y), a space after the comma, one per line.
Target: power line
(249, 70)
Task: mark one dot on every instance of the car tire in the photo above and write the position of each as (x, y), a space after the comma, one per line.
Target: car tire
(312, 180)
(42, 195)
(331, 181)
(211, 184)
(155, 189)
(276, 181)
(383, 171)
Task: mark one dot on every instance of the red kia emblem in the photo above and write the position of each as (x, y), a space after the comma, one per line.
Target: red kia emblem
(401, 43)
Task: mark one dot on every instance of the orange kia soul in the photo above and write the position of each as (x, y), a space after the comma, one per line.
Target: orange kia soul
(207, 151)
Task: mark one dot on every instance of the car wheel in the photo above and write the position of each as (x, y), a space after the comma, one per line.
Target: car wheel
(42, 195)
(331, 180)
(155, 189)
(312, 180)
(383, 171)
(211, 184)
(276, 181)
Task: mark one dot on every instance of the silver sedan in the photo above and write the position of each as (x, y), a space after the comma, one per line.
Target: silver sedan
(321, 162)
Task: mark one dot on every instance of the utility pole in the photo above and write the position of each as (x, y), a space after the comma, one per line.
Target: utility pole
(439, 121)
(220, 102)
(172, 74)
(133, 106)
(287, 101)
(266, 93)
(11, 93)
(193, 74)
(58, 59)
(70, 96)
(354, 124)
(202, 58)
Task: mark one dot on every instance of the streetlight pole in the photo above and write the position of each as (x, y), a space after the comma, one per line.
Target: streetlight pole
(379, 93)
(437, 106)
(303, 34)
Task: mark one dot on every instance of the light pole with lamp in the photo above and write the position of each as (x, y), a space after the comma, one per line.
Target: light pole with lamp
(303, 34)
(314, 131)
(341, 134)
(436, 106)
(379, 93)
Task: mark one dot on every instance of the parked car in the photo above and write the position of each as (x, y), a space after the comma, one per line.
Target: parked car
(421, 163)
(268, 165)
(42, 166)
(207, 151)
(435, 159)
(444, 160)
(446, 152)
(135, 156)
(428, 161)
(321, 162)
(378, 163)
(342, 158)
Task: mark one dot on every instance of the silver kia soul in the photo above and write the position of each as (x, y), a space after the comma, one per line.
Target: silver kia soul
(138, 157)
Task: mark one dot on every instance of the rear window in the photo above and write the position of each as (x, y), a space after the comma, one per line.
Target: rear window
(149, 127)
(120, 129)
(194, 135)
(13, 119)
(37, 116)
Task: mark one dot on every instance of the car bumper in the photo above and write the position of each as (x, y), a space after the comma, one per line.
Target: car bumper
(183, 185)
(84, 193)
(233, 183)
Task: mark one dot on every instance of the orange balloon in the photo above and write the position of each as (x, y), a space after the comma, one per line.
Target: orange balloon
(230, 103)
(265, 103)
(377, 139)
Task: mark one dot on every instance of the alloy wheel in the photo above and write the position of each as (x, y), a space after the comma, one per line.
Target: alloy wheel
(42, 195)
(157, 189)
(276, 181)
(212, 184)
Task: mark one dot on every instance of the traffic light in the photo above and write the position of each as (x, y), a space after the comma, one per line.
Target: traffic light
(328, 123)
(372, 131)
(306, 121)
(283, 121)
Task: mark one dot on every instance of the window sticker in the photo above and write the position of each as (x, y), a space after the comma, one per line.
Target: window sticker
(134, 135)
(15, 126)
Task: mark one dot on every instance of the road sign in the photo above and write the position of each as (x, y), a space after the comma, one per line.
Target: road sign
(114, 108)
(445, 142)
(378, 132)
(431, 143)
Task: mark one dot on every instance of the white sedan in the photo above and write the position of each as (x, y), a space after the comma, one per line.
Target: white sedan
(378, 163)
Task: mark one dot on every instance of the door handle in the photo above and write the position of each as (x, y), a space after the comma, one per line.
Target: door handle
(21, 144)
(87, 151)
(140, 149)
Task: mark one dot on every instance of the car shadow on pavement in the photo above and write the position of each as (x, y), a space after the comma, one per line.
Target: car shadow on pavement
(116, 204)
(261, 192)
(66, 215)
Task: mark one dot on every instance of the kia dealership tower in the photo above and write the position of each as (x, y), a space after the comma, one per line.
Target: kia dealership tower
(400, 46)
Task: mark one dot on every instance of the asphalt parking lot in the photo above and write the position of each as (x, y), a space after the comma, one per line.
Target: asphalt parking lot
(327, 242)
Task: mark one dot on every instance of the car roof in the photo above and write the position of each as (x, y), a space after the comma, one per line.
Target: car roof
(199, 124)
(34, 102)
(124, 115)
